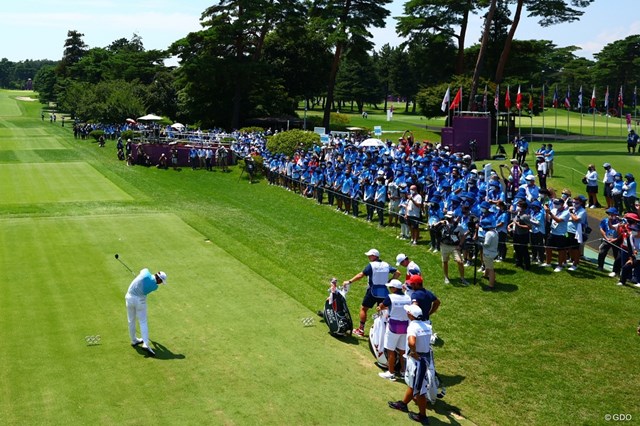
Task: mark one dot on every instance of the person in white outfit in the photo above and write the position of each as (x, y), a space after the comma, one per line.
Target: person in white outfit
(395, 337)
(136, 301)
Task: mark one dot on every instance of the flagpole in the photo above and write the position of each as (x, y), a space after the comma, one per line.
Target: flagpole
(531, 112)
(508, 117)
(568, 105)
(635, 109)
(580, 100)
(606, 112)
(621, 106)
(497, 105)
(555, 106)
(543, 112)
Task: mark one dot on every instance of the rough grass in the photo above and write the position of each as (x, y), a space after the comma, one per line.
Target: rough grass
(545, 349)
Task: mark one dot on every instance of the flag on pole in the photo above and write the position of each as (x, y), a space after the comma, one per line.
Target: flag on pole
(620, 100)
(542, 99)
(496, 99)
(519, 99)
(531, 99)
(484, 99)
(606, 99)
(580, 99)
(567, 99)
(457, 99)
(507, 99)
(593, 98)
(445, 100)
(555, 97)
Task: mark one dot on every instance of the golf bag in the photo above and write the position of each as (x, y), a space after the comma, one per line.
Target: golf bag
(376, 340)
(336, 312)
(376, 345)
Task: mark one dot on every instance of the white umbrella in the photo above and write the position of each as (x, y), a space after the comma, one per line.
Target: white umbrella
(372, 142)
(149, 117)
(130, 120)
(178, 126)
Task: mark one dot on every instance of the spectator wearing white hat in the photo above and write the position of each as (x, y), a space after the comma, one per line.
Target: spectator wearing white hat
(412, 267)
(418, 377)
(395, 337)
(377, 272)
(608, 180)
(136, 302)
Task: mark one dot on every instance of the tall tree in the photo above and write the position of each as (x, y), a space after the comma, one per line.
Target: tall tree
(423, 18)
(483, 48)
(346, 23)
(74, 49)
(619, 62)
(239, 28)
(550, 12)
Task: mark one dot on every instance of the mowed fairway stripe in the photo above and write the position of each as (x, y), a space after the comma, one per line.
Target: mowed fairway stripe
(56, 182)
(227, 339)
(8, 105)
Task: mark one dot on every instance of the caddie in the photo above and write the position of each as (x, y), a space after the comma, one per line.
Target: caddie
(396, 334)
(418, 377)
(377, 272)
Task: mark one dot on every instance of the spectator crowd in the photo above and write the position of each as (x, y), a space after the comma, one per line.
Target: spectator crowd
(416, 186)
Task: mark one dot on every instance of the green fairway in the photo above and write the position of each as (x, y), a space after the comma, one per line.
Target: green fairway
(245, 264)
(55, 182)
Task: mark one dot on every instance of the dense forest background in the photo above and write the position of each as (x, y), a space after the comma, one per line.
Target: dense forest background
(266, 58)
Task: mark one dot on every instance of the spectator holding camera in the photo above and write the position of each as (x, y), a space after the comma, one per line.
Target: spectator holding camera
(558, 216)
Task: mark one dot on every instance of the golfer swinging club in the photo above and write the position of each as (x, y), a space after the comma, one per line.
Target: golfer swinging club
(136, 301)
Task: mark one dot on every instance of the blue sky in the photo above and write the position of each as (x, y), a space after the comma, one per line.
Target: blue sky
(37, 29)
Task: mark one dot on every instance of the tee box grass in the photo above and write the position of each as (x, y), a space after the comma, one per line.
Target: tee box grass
(246, 263)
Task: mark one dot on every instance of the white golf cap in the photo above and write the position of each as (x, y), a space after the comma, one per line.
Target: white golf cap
(414, 310)
(373, 252)
(162, 276)
(449, 214)
(530, 177)
(400, 258)
(394, 284)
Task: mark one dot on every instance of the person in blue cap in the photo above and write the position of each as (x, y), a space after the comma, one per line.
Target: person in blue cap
(520, 226)
(538, 231)
(629, 193)
(616, 191)
(610, 236)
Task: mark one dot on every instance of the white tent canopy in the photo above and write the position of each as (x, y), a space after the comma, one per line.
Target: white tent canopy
(149, 117)
(372, 142)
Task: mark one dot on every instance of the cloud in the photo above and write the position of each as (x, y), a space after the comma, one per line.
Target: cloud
(609, 35)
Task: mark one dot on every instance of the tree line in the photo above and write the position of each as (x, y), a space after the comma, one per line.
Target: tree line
(263, 58)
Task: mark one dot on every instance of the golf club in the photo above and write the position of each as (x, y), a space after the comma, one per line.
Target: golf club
(123, 264)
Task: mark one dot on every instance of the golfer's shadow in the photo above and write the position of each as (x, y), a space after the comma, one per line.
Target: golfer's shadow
(162, 352)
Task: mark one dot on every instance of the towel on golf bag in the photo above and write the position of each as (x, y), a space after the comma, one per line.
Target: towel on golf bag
(336, 312)
(376, 338)
(420, 375)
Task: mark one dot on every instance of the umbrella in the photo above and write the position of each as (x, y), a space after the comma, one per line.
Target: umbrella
(130, 120)
(178, 126)
(149, 117)
(372, 142)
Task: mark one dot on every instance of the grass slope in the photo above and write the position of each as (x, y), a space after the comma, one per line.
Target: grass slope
(546, 349)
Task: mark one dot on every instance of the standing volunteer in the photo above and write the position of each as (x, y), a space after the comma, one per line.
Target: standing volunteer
(136, 301)
(412, 267)
(395, 337)
(377, 273)
(418, 377)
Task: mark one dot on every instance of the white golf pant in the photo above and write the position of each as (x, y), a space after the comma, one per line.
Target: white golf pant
(137, 308)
